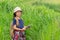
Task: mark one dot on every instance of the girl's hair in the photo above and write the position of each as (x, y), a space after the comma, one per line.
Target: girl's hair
(14, 14)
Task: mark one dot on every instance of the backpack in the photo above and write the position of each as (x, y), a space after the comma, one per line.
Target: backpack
(11, 29)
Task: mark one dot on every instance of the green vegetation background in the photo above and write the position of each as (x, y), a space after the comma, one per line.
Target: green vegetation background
(42, 15)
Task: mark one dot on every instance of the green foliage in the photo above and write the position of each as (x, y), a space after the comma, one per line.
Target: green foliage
(45, 22)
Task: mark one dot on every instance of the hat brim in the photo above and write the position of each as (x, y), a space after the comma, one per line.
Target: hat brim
(18, 11)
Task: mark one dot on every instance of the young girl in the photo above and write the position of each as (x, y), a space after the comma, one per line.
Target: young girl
(18, 25)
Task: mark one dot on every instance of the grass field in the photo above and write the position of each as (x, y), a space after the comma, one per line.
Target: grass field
(43, 16)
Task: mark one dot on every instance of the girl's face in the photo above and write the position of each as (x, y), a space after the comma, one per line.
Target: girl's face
(18, 13)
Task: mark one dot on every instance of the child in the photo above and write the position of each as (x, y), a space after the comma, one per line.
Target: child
(18, 25)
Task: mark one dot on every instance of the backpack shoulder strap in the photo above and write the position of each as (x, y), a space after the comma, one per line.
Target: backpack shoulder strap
(17, 22)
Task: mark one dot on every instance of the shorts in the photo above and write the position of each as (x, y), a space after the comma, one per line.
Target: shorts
(19, 35)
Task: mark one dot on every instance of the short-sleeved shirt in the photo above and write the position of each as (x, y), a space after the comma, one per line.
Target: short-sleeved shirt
(21, 23)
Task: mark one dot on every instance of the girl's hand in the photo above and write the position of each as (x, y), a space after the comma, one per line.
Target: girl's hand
(24, 29)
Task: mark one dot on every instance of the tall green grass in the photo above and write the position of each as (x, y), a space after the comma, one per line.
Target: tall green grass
(45, 22)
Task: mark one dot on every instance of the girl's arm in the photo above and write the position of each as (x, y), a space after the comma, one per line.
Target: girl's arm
(15, 28)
